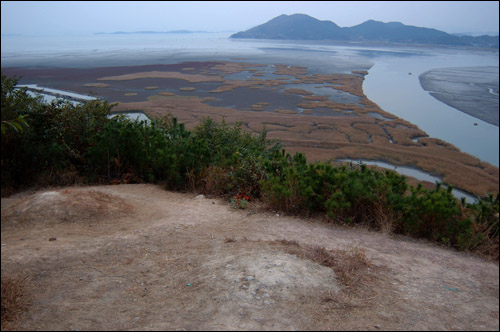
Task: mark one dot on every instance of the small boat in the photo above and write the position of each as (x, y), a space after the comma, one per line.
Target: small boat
(475, 123)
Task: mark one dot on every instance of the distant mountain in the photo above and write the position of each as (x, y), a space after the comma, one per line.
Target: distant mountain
(304, 27)
(481, 41)
(298, 26)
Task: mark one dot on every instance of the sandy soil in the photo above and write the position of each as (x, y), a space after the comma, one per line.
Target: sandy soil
(136, 257)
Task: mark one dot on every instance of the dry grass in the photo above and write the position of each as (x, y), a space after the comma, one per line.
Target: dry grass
(352, 267)
(299, 92)
(192, 78)
(289, 70)
(53, 207)
(97, 85)
(15, 301)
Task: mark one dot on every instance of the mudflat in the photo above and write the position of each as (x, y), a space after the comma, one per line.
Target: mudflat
(472, 90)
(325, 116)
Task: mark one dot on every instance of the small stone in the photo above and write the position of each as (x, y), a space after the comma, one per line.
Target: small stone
(249, 278)
(200, 197)
(52, 239)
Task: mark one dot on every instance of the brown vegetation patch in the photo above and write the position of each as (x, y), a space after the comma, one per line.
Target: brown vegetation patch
(97, 85)
(286, 111)
(299, 92)
(316, 98)
(65, 206)
(167, 93)
(289, 70)
(187, 89)
(360, 72)
(163, 74)
(257, 107)
(130, 94)
(15, 300)
(166, 96)
(233, 67)
(153, 87)
(352, 268)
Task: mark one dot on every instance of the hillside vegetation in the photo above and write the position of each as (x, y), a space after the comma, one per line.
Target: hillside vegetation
(63, 144)
(305, 27)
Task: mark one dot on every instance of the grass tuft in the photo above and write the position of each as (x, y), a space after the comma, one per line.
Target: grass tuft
(14, 301)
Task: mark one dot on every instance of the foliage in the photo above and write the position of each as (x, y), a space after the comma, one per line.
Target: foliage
(240, 201)
(15, 102)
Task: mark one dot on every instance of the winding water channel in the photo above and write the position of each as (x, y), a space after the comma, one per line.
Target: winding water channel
(413, 172)
(390, 85)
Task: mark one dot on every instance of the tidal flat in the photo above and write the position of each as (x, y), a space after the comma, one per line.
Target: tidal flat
(472, 90)
(325, 116)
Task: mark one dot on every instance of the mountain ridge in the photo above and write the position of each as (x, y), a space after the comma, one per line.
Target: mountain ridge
(305, 27)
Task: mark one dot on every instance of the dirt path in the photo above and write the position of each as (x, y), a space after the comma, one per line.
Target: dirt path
(135, 257)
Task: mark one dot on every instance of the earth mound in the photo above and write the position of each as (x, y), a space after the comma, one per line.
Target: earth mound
(68, 206)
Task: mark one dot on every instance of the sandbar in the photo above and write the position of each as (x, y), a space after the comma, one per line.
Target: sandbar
(472, 90)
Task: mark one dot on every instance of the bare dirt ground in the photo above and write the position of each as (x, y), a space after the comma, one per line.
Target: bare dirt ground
(136, 257)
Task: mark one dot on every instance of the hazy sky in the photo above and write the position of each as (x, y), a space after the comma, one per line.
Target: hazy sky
(56, 17)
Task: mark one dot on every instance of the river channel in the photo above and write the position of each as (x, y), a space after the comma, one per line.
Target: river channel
(390, 85)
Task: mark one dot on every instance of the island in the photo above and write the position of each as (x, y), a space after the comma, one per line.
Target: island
(305, 27)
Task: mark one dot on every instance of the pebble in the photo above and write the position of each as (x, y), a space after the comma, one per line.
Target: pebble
(249, 278)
